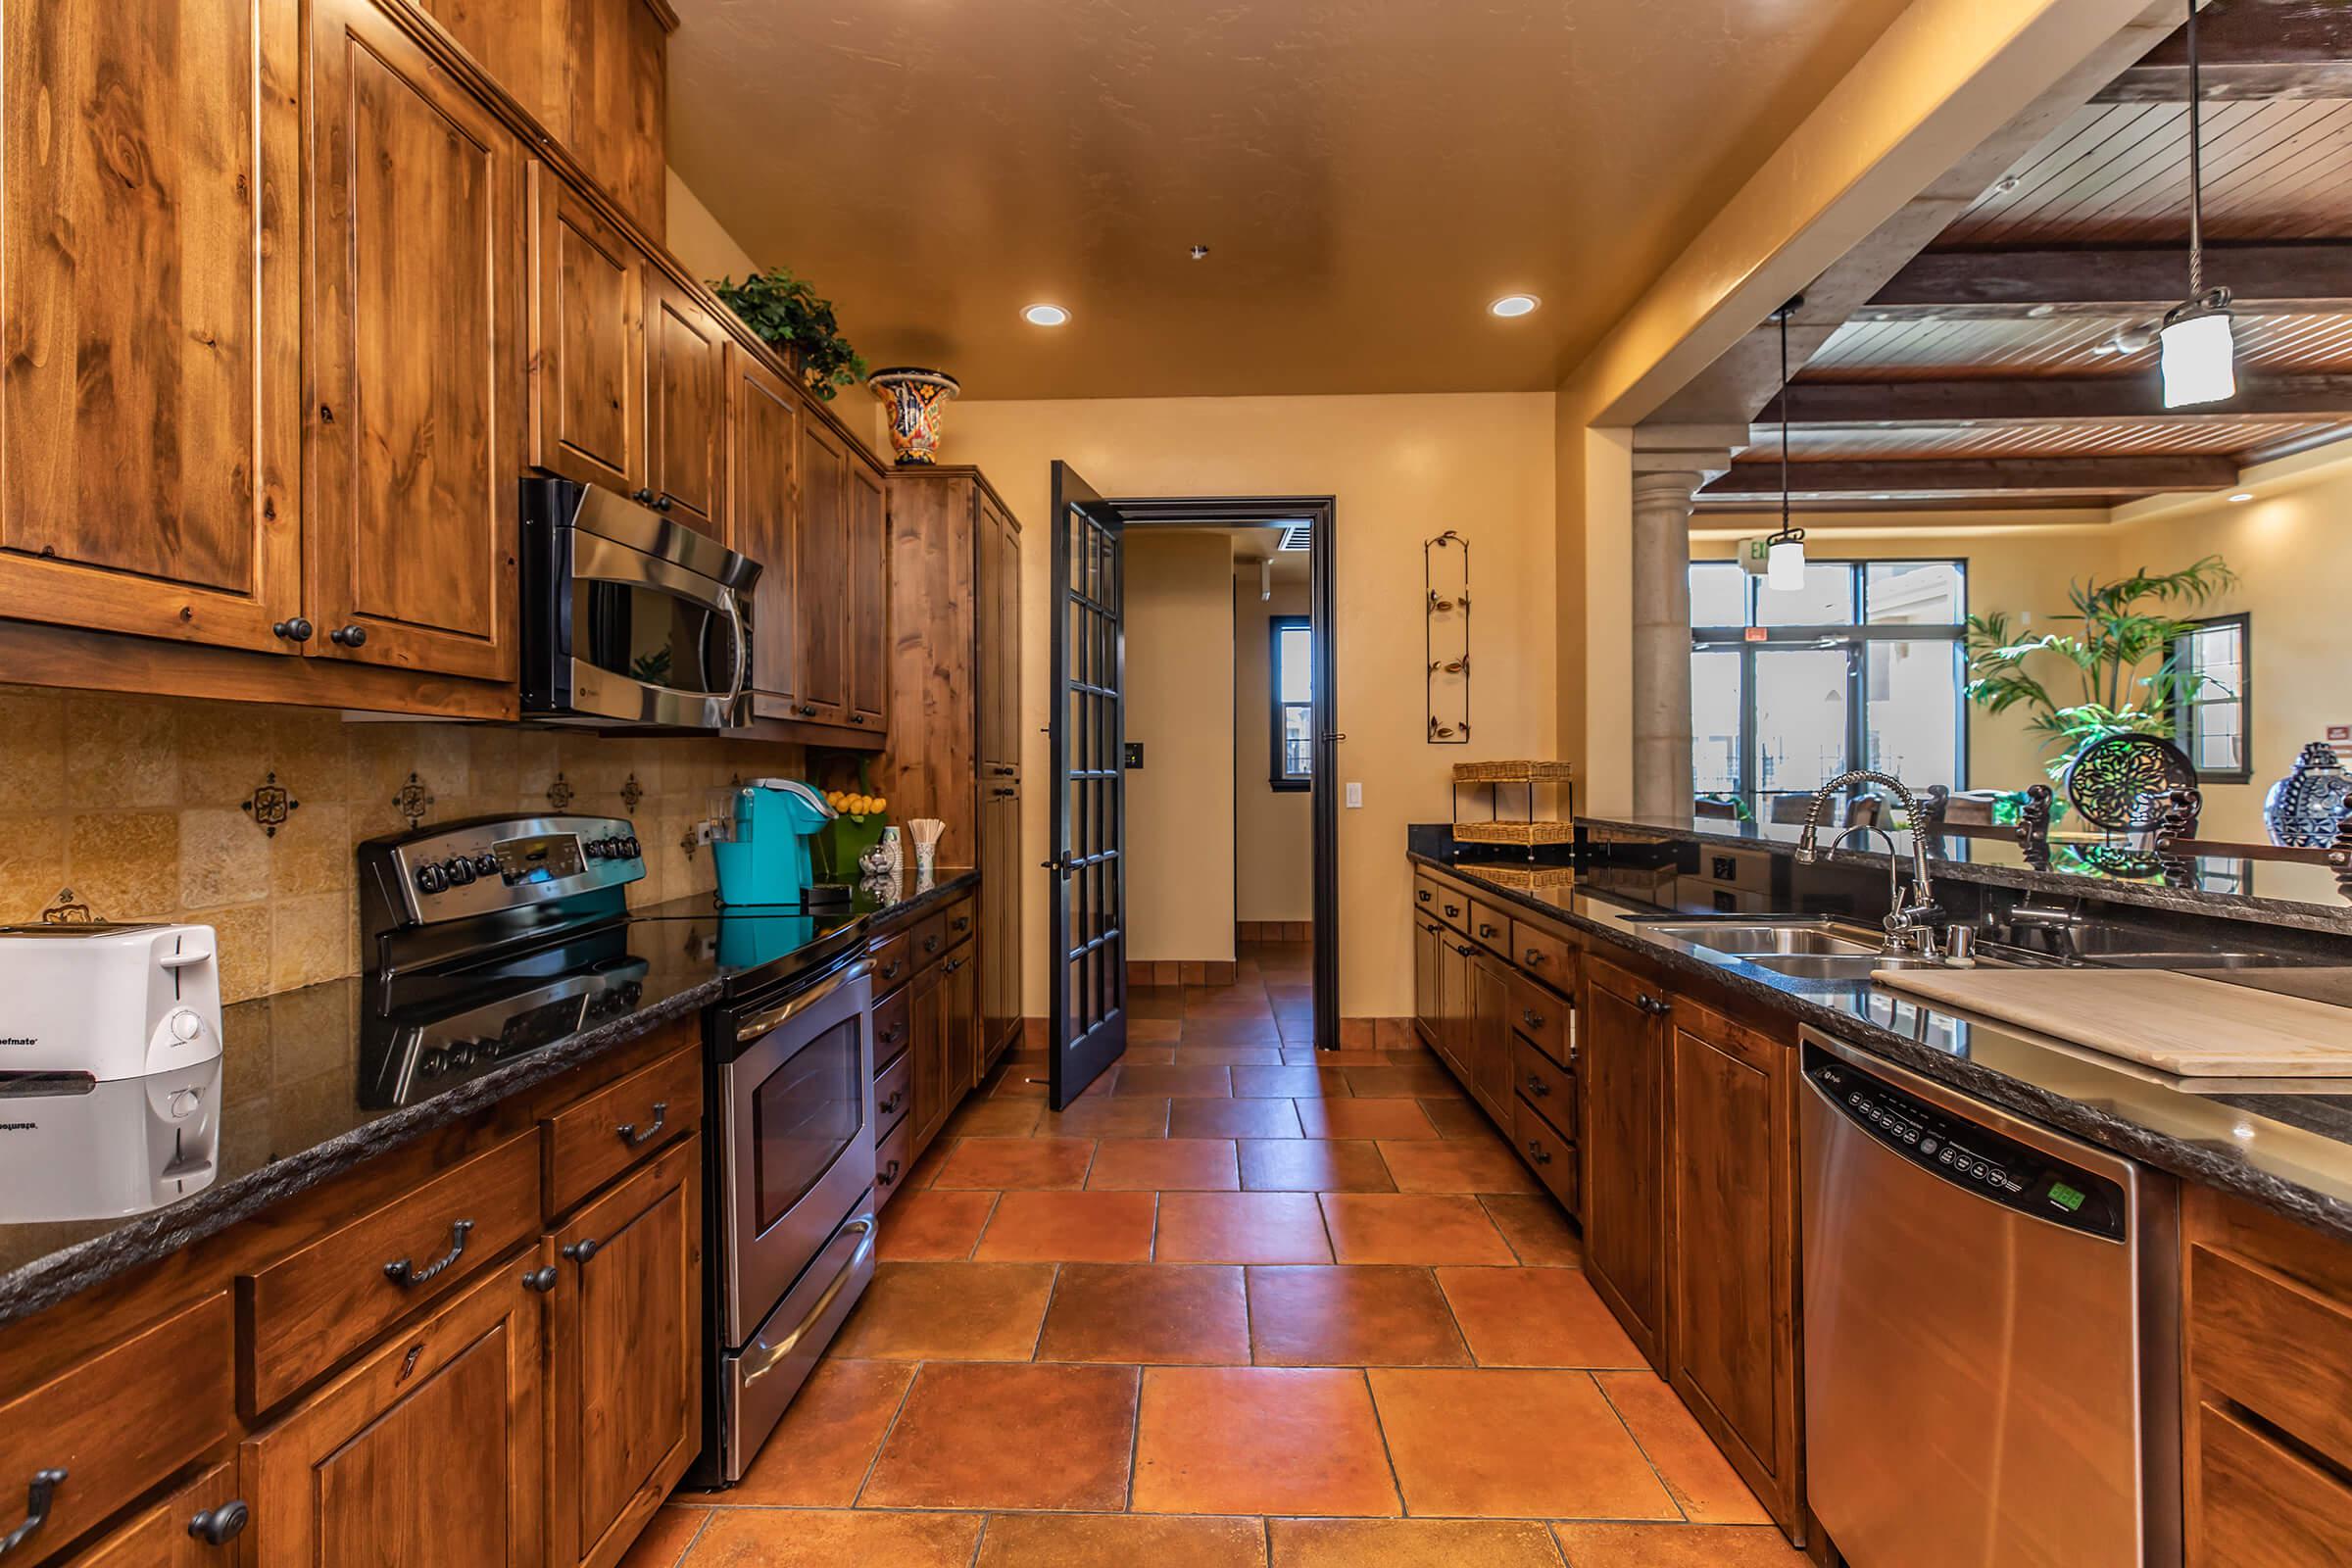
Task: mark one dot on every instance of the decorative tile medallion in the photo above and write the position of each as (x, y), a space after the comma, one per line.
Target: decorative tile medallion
(270, 805)
(67, 909)
(560, 794)
(413, 800)
(631, 793)
(690, 842)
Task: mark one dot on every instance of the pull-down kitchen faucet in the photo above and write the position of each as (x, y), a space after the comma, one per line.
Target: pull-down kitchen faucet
(1915, 919)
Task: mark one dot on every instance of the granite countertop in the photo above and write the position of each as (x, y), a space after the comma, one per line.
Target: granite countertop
(294, 1108)
(2289, 1152)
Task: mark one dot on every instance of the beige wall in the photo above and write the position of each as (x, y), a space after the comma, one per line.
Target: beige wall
(1273, 830)
(1403, 469)
(1180, 707)
(698, 240)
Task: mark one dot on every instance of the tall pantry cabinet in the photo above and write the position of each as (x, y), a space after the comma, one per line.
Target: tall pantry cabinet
(955, 749)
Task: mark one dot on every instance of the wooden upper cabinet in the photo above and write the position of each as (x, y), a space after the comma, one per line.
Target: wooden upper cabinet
(588, 293)
(686, 353)
(821, 577)
(417, 365)
(869, 638)
(763, 442)
(150, 403)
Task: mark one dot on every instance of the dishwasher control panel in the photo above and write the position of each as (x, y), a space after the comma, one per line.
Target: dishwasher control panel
(1999, 1169)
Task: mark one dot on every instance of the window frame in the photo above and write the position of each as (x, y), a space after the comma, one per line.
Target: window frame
(2184, 706)
(1278, 777)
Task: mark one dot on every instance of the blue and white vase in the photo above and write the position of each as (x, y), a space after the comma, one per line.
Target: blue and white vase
(2302, 810)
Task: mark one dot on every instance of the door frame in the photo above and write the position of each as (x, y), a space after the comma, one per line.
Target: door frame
(1320, 514)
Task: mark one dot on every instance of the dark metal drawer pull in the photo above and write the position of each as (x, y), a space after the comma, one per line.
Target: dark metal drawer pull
(218, 1527)
(1533, 957)
(1488, 932)
(1537, 1153)
(37, 1498)
(890, 1036)
(889, 1106)
(541, 1279)
(1530, 1017)
(889, 970)
(1464, 949)
(407, 1276)
(931, 943)
(629, 1134)
(1452, 911)
(950, 966)
(888, 1174)
(1422, 894)
(580, 1251)
(1535, 1085)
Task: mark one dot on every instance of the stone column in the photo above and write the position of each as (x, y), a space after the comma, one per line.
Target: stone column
(1661, 672)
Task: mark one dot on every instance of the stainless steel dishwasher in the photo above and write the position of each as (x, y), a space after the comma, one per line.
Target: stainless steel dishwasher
(1990, 1312)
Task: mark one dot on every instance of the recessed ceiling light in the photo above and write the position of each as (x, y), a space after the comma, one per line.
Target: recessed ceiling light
(2240, 498)
(1514, 304)
(1200, 252)
(1044, 315)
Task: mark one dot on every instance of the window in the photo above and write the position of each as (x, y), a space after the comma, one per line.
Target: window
(1294, 691)
(2211, 716)
(1859, 667)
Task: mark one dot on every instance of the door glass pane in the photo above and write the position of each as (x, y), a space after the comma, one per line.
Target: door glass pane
(1914, 593)
(1715, 691)
(1718, 594)
(1826, 600)
(1913, 690)
(803, 1114)
(1802, 706)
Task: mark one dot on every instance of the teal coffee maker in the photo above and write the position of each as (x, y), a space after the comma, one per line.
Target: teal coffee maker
(764, 857)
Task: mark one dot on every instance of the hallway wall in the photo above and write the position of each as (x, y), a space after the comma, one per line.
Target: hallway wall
(1273, 830)
(1180, 708)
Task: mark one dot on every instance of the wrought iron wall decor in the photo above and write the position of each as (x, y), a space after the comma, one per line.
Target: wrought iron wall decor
(632, 794)
(270, 805)
(560, 794)
(413, 800)
(1445, 636)
(2119, 783)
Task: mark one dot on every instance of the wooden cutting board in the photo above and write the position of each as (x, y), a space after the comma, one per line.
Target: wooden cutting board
(2174, 1024)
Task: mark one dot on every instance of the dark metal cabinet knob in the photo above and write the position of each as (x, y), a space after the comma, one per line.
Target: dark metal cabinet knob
(1533, 957)
(37, 1498)
(644, 498)
(1656, 1007)
(218, 1527)
(1535, 1085)
(889, 1106)
(354, 636)
(806, 709)
(296, 630)
(666, 503)
(580, 1251)
(541, 1279)
(1464, 949)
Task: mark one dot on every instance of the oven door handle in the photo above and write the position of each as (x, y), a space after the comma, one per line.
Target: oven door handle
(783, 1012)
(774, 1355)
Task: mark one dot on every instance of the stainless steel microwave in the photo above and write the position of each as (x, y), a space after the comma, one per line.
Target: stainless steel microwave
(630, 617)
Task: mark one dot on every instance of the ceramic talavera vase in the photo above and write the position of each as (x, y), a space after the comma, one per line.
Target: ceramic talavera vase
(2302, 810)
(917, 400)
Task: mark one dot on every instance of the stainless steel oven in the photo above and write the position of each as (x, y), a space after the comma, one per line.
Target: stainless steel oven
(794, 1199)
(628, 617)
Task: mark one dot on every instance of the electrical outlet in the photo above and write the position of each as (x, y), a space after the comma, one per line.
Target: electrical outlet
(1355, 796)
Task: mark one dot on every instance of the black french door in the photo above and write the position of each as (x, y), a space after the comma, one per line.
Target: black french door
(1087, 896)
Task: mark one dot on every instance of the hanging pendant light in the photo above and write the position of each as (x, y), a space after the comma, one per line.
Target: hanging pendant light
(2199, 352)
(1785, 551)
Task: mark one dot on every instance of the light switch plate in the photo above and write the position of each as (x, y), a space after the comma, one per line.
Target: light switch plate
(1355, 796)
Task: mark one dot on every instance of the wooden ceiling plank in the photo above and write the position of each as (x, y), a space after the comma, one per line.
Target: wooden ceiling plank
(1995, 404)
(2249, 49)
(2297, 275)
(1982, 476)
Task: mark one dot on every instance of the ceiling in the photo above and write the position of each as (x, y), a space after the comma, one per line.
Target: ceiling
(1367, 174)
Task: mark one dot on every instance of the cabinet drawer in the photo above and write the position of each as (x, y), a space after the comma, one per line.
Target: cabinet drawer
(930, 939)
(893, 1156)
(1546, 1087)
(161, 1535)
(1549, 1155)
(1491, 929)
(1546, 1021)
(961, 920)
(894, 958)
(890, 1030)
(1543, 956)
(310, 1309)
(892, 1093)
(1424, 897)
(118, 1422)
(597, 1138)
(1448, 904)
(2260, 1504)
(2272, 1345)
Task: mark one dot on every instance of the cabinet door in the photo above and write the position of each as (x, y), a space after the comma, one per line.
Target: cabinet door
(927, 1024)
(1490, 1037)
(1427, 1005)
(150, 463)
(414, 344)
(686, 376)
(1000, 667)
(1731, 1148)
(820, 600)
(962, 984)
(869, 599)
(1000, 914)
(1453, 1002)
(430, 1451)
(625, 1350)
(613, 104)
(1623, 1084)
(587, 341)
(763, 446)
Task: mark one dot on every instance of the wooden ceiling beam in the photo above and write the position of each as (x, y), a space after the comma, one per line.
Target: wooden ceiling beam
(1989, 479)
(2313, 275)
(2249, 49)
(2082, 400)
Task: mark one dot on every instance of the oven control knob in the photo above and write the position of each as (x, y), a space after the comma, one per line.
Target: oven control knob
(628, 848)
(486, 864)
(432, 878)
(461, 872)
(599, 849)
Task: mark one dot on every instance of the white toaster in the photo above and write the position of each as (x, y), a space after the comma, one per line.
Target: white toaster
(108, 1002)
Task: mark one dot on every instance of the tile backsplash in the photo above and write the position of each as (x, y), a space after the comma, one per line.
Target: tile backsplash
(137, 806)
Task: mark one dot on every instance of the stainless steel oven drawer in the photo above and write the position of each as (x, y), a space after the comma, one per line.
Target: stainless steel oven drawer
(757, 1382)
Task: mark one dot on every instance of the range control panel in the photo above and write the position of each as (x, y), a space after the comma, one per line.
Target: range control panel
(492, 863)
(1998, 1167)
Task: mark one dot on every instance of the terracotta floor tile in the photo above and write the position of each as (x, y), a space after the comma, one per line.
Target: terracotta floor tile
(1423, 1078)
(997, 1164)
(665, 1539)
(1313, 1166)
(1008, 1436)
(1233, 1118)
(1147, 1313)
(1091, 1540)
(1536, 1229)
(1413, 1544)
(1362, 1316)
(1203, 1082)
(1007, 1118)
(1363, 1118)
(1217, 1055)
(1701, 1481)
(799, 1537)
(933, 1226)
(1259, 1441)
(1240, 1228)
(1101, 1116)
(1459, 1118)
(959, 1311)
(1141, 1031)
(1261, 1031)
(1284, 1083)
(1676, 1547)
(1201, 1165)
(926, 1168)
(1513, 1445)
(1411, 1228)
(819, 1452)
(1135, 1056)
(1020, 1082)
(1309, 1056)
(1069, 1228)
(1455, 1165)
(1535, 1317)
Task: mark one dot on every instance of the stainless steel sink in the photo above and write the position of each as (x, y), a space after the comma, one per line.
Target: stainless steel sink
(1838, 966)
(1765, 937)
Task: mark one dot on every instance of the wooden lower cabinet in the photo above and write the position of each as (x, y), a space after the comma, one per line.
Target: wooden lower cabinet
(999, 936)
(430, 1451)
(1428, 1010)
(197, 1526)
(927, 1082)
(1622, 1084)
(1486, 1036)
(966, 1051)
(625, 1358)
